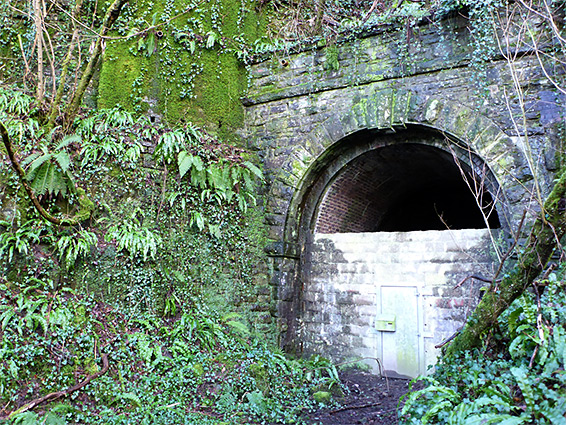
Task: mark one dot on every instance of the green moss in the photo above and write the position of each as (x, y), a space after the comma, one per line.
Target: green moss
(322, 397)
(203, 86)
(119, 71)
(331, 63)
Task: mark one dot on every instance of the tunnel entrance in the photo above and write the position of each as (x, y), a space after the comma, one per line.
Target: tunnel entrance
(405, 187)
(391, 223)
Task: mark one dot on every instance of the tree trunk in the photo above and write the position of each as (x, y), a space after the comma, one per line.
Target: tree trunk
(53, 112)
(38, 23)
(545, 237)
(109, 18)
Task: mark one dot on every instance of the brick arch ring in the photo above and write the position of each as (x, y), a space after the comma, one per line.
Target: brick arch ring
(475, 139)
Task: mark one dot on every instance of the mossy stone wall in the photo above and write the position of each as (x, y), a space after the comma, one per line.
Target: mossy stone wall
(302, 115)
(187, 67)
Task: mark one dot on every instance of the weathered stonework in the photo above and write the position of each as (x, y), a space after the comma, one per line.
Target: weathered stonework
(308, 123)
(354, 279)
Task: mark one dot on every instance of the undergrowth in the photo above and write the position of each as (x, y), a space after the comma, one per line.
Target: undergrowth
(173, 212)
(193, 368)
(523, 382)
(166, 273)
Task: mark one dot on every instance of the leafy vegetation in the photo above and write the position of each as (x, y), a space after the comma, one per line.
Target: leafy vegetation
(196, 189)
(171, 233)
(193, 368)
(521, 380)
(171, 225)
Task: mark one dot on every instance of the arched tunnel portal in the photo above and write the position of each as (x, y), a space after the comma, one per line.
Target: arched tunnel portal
(390, 223)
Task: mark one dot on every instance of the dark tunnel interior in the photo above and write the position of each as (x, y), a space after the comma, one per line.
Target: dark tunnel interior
(405, 187)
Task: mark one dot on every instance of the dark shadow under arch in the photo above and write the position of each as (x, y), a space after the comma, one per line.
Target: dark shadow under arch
(405, 187)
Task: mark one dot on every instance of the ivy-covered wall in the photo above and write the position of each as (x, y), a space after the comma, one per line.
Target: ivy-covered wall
(182, 61)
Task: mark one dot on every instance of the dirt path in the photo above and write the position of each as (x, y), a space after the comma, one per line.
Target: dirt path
(370, 400)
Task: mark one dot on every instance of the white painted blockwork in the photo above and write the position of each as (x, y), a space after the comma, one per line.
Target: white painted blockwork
(355, 278)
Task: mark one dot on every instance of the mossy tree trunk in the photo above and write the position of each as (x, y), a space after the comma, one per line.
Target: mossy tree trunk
(110, 17)
(54, 111)
(546, 234)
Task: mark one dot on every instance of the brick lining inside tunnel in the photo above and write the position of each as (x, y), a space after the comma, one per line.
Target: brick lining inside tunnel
(405, 187)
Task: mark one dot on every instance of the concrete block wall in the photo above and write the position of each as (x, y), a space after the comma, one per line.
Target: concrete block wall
(356, 277)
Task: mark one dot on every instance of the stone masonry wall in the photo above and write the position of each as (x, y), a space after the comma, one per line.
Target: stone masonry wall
(296, 108)
(356, 277)
(301, 119)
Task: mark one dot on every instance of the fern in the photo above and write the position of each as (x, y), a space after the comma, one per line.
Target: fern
(49, 172)
(133, 237)
(72, 247)
(19, 240)
(170, 144)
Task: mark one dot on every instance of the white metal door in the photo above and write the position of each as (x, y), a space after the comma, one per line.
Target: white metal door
(400, 347)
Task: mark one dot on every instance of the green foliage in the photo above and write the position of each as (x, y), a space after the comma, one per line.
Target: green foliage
(192, 369)
(17, 113)
(322, 371)
(194, 46)
(31, 418)
(331, 63)
(525, 385)
(76, 245)
(49, 172)
(19, 240)
(219, 180)
(132, 236)
(114, 134)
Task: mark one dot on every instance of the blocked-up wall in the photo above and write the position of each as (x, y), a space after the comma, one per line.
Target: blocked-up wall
(358, 282)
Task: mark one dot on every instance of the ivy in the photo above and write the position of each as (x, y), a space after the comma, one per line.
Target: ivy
(197, 367)
(523, 384)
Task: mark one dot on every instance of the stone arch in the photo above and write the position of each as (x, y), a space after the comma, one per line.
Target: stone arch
(474, 139)
(390, 111)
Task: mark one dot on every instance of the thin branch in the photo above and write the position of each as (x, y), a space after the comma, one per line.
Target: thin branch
(38, 18)
(361, 406)
(109, 18)
(58, 394)
(476, 277)
(107, 37)
(65, 69)
(371, 10)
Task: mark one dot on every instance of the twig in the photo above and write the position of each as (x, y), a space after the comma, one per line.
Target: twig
(446, 341)
(145, 30)
(511, 248)
(371, 10)
(379, 364)
(362, 406)
(24, 56)
(533, 357)
(58, 394)
(477, 277)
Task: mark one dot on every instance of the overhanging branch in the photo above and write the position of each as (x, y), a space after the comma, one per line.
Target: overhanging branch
(545, 237)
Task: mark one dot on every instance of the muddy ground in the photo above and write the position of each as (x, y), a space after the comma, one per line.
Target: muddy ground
(368, 400)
